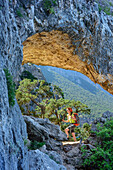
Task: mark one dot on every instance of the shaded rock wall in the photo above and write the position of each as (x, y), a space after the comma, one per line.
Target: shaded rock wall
(13, 154)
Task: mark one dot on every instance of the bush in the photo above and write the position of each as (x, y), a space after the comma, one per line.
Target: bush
(11, 88)
(26, 74)
(102, 156)
(36, 145)
(48, 5)
(19, 13)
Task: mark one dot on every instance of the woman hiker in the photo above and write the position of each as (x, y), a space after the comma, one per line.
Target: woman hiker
(73, 120)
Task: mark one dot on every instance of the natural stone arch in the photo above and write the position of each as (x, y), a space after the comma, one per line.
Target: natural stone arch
(90, 41)
(56, 48)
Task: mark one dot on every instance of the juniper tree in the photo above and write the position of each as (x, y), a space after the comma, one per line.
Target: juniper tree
(55, 109)
(33, 91)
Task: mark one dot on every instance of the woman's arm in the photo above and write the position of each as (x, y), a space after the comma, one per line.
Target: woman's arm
(65, 121)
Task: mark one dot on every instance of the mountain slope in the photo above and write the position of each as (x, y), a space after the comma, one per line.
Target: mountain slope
(79, 89)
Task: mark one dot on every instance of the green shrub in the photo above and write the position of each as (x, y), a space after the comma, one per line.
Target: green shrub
(110, 3)
(25, 141)
(102, 156)
(107, 10)
(26, 74)
(19, 13)
(87, 127)
(36, 145)
(11, 87)
(48, 5)
(100, 8)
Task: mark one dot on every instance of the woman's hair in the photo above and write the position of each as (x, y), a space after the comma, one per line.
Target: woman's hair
(70, 109)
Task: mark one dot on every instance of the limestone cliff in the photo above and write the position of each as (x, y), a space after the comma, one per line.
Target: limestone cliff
(85, 36)
(35, 71)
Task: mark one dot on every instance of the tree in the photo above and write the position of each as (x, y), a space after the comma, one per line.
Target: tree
(33, 91)
(58, 93)
(80, 107)
(56, 108)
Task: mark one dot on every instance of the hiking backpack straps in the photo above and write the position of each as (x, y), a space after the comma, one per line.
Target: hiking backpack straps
(77, 118)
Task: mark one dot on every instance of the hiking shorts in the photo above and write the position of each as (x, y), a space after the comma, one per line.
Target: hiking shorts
(71, 127)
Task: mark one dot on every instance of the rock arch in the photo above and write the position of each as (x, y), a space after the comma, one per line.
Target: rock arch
(76, 37)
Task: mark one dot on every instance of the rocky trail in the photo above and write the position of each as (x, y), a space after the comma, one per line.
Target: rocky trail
(65, 153)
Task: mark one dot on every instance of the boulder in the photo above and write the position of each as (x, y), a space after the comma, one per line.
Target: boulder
(67, 148)
(52, 154)
(39, 160)
(53, 144)
(107, 114)
(43, 130)
(73, 153)
(35, 130)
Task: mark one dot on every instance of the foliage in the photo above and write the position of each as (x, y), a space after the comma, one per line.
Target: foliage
(110, 3)
(31, 91)
(100, 8)
(24, 92)
(57, 91)
(39, 92)
(11, 88)
(48, 99)
(87, 126)
(48, 5)
(85, 131)
(25, 141)
(19, 13)
(80, 107)
(85, 92)
(105, 6)
(107, 10)
(101, 157)
(28, 75)
(35, 145)
(56, 109)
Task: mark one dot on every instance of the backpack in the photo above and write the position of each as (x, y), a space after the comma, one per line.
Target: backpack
(77, 118)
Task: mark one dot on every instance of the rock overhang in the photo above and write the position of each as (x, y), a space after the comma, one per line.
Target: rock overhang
(57, 48)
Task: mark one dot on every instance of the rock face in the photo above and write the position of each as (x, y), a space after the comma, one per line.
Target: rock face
(35, 71)
(43, 130)
(90, 35)
(13, 154)
(39, 160)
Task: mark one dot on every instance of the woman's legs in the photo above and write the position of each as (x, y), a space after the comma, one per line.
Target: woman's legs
(66, 131)
(74, 137)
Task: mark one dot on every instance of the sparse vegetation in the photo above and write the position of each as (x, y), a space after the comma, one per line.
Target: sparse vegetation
(35, 145)
(107, 10)
(105, 6)
(11, 88)
(18, 12)
(49, 6)
(101, 157)
(28, 75)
